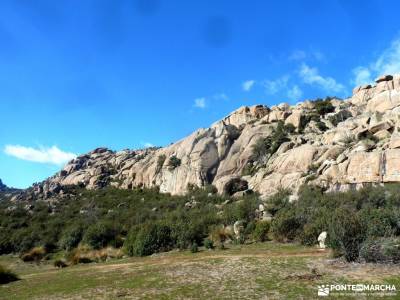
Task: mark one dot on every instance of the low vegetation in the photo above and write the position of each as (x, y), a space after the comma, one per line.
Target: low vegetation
(94, 226)
(7, 276)
(366, 219)
(174, 162)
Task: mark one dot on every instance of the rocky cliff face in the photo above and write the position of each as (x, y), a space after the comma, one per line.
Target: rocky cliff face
(337, 144)
(3, 187)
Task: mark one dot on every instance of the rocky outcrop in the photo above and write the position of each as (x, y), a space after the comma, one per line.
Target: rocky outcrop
(3, 187)
(350, 143)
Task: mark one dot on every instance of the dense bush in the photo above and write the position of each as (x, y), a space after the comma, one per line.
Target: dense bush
(100, 235)
(278, 201)
(7, 276)
(286, 226)
(240, 210)
(150, 239)
(158, 222)
(381, 250)
(71, 237)
(346, 233)
(260, 233)
(350, 218)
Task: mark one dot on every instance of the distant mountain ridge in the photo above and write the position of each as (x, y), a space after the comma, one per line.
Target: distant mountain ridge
(333, 143)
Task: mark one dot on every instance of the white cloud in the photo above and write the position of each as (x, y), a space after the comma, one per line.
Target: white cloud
(388, 62)
(300, 55)
(362, 75)
(200, 102)
(295, 93)
(221, 96)
(248, 85)
(274, 86)
(311, 76)
(52, 155)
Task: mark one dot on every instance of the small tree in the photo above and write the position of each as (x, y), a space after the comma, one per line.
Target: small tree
(100, 235)
(346, 233)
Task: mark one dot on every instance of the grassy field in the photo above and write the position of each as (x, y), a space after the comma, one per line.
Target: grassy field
(257, 271)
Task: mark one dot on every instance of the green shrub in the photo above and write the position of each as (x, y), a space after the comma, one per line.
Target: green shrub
(378, 222)
(270, 144)
(240, 210)
(309, 235)
(71, 237)
(151, 238)
(286, 225)
(194, 248)
(324, 106)
(381, 250)
(129, 243)
(6, 245)
(7, 276)
(174, 162)
(261, 230)
(208, 244)
(100, 235)
(277, 201)
(346, 233)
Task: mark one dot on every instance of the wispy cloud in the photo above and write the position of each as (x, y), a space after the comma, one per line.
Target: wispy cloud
(52, 155)
(295, 93)
(388, 62)
(298, 55)
(221, 96)
(362, 75)
(147, 144)
(248, 85)
(274, 86)
(200, 102)
(301, 55)
(311, 76)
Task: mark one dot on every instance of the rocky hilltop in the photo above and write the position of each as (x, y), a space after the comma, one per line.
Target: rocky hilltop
(337, 144)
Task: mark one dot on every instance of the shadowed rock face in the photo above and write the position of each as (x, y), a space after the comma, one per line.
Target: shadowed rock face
(3, 187)
(356, 142)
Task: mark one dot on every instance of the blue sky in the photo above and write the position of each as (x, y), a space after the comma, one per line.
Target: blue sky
(76, 75)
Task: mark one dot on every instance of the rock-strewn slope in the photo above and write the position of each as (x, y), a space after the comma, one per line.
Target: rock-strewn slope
(355, 141)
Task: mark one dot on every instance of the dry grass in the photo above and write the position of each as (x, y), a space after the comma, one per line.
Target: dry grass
(34, 255)
(257, 271)
(87, 255)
